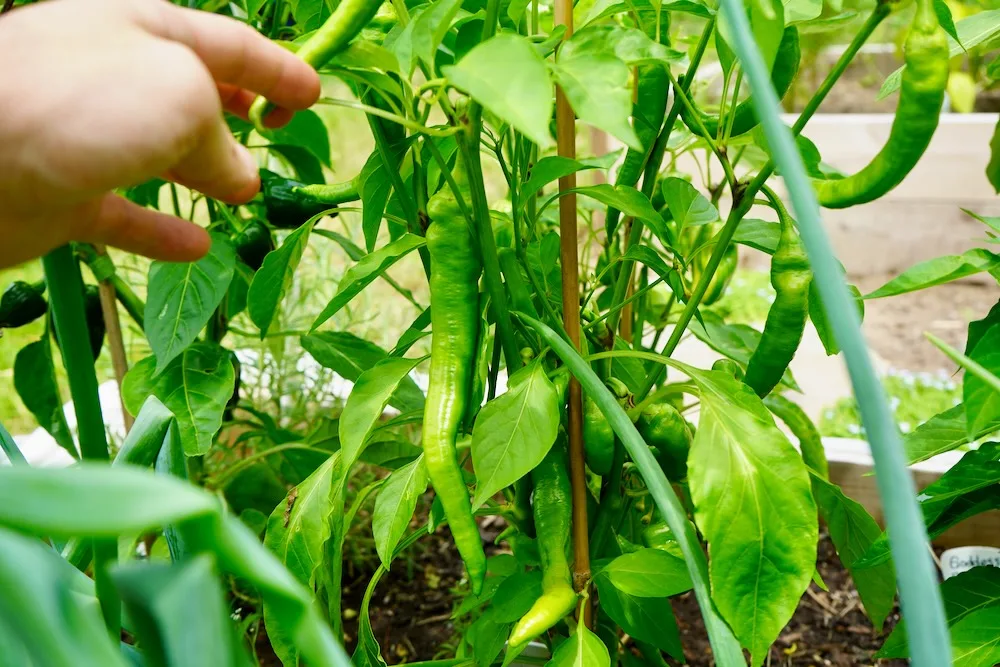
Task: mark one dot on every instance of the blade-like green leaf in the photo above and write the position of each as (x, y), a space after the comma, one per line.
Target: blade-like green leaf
(182, 298)
(553, 167)
(941, 433)
(630, 202)
(938, 271)
(977, 470)
(370, 267)
(754, 506)
(274, 277)
(194, 387)
(374, 187)
(583, 649)
(726, 650)
(688, 206)
(35, 383)
(853, 531)
(648, 573)
(507, 76)
(365, 405)
(171, 461)
(648, 619)
(394, 507)
(144, 439)
(981, 398)
(514, 431)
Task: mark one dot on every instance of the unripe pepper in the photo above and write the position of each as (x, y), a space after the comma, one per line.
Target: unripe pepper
(664, 428)
(22, 303)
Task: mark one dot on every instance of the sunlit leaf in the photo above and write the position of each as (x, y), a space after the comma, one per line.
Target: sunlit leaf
(938, 271)
(394, 506)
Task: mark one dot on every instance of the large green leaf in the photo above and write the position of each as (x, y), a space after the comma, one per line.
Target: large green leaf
(365, 405)
(965, 595)
(647, 619)
(553, 167)
(362, 274)
(853, 531)
(394, 506)
(977, 470)
(631, 203)
(274, 277)
(688, 206)
(305, 130)
(507, 76)
(180, 610)
(941, 433)
(97, 501)
(938, 271)
(583, 649)
(350, 356)
(182, 298)
(982, 401)
(35, 383)
(514, 431)
(194, 387)
(596, 86)
(296, 532)
(754, 506)
(649, 573)
(515, 595)
(55, 624)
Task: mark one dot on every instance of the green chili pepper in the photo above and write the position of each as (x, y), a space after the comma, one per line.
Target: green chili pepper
(289, 204)
(95, 320)
(552, 507)
(917, 113)
(343, 25)
(664, 428)
(454, 288)
(786, 319)
(798, 422)
(22, 303)
(786, 66)
(253, 244)
(598, 436)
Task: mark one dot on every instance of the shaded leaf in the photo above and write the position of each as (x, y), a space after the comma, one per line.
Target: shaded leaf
(275, 275)
(35, 382)
(374, 188)
(982, 401)
(687, 206)
(515, 595)
(305, 130)
(644, 618)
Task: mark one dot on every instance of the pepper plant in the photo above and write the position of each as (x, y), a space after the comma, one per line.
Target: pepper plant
(624, 476)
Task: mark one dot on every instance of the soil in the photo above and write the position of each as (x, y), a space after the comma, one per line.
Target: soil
(411, 613)
(894, 327)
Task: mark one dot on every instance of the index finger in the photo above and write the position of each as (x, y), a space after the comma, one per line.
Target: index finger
(236, 54)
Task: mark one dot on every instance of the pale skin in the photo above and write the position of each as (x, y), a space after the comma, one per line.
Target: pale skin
(104, 94)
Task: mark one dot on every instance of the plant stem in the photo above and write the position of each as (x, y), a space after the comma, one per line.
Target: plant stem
(743, 201)
(682, 96)
(653, 166)
(65, 286)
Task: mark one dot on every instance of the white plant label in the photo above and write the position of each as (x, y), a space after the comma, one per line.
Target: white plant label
(961, 559)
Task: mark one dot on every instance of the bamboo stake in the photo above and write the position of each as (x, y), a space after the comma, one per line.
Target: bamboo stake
(116, 343)
(568, 249)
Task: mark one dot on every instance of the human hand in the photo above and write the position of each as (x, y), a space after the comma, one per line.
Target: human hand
(102, 94)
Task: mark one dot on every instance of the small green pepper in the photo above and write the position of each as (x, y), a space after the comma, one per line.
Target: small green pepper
(289, 204)
(664, 428)
(253, 244)
(22, 303)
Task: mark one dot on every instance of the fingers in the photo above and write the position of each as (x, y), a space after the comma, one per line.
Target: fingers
(237, 101)
(130, 227)
(218, 165)
(236, 54)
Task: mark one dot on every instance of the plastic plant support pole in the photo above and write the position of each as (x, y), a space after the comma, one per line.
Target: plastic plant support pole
(566, 147)
(920, 597)
(65, 286)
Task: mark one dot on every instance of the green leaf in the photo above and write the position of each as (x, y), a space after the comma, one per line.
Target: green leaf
(543, 261)
(649, 573)
(941, 433)
(92, 500)
(758, 234)
(171, 461)
(977, 470)
(305, 130)
(488, 636)
(35, 382)
(514, 431)
(965, 595)
(182, 298)
(767, 23)
(647, 619)
(597, 88)
(938, 271)
(629, 45)
(274, 277)
(368, 653)
(754, 506)
(798, 11)
(945, 18)
(993, 167)
(194, 387)
(648, 257)
(515, 595)
(554, 167)
(975, 640)
(365, 405)
(363, 54)
(296, 532)
(583, 649)
(374, 187)
(430, 27)
(631, 203)
(394, 506)
(365, 271)
(305, 165)
(179, 609)
(688, 206)
(507, 76)
(853, 531)
(972, 31)
(982, 401)
(978, 328)
(628, 369)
